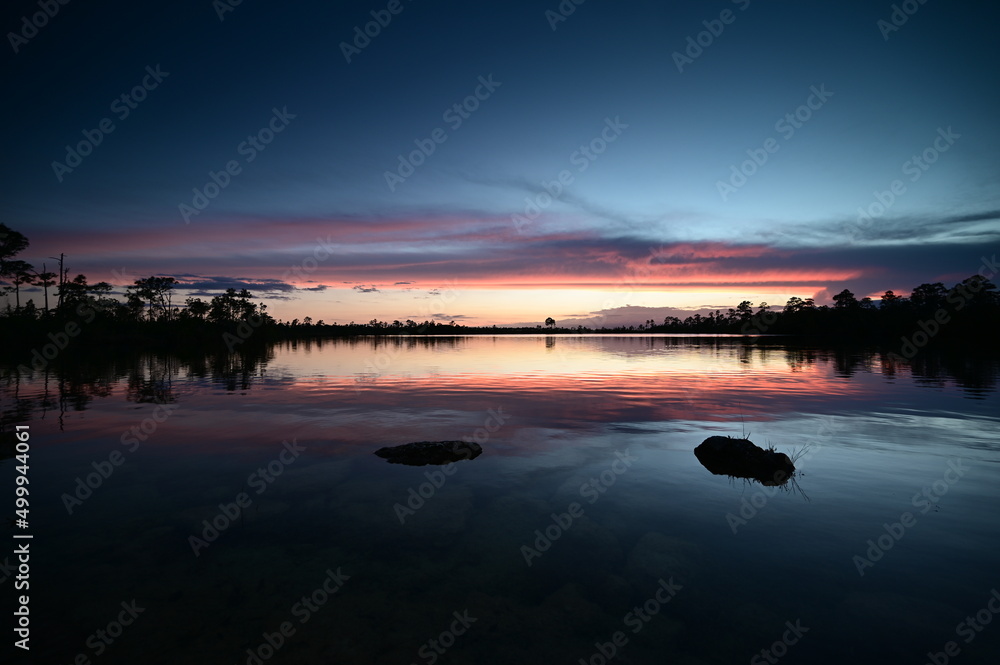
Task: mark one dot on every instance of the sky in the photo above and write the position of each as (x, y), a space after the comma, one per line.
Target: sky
(496, 163)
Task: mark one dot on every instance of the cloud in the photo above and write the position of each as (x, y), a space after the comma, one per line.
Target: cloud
(440, 316)
(977, 227)
(479, 250)
(208, 286)
(213, 285)
(569, 198)
(965, 228)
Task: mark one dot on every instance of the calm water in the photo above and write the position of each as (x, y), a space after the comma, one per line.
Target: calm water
(587, 475)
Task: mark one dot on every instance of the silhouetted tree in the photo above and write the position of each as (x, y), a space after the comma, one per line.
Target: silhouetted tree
(744, 311)
(793, 305)
(45, 279)
(928, 297)
(890, 300)
(233, 306)
(845, 300)
(157, 292)
(73, 293)
(196, 309)
(12, 243)
(977, 292)
(19, 272)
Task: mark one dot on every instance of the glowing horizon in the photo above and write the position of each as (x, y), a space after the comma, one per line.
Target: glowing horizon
(329, 185)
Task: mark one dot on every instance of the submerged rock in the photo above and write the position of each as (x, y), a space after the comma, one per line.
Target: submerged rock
(741, 458)
(423, 453)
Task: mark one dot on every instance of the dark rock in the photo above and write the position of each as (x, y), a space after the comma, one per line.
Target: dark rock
(422, 453)
(741, 458)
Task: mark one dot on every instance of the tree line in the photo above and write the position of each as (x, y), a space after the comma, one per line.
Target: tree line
(147, 300)
(972, 302)
(968, 311)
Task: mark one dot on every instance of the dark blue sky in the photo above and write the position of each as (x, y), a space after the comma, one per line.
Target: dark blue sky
(658, 205)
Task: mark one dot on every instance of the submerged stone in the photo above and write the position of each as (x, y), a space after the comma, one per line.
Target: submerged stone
(423, 453)
(741, 458)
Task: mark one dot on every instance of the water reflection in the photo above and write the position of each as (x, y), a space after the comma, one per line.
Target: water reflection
(423, 453)
(664, 376)
(605, 423)
(73, 381)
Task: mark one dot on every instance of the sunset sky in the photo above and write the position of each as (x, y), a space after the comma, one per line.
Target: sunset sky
(500, 162)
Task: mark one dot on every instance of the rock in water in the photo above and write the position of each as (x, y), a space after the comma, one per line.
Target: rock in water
(741, 458)
(422, 453)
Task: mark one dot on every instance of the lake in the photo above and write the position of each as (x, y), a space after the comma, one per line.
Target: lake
(212, 509)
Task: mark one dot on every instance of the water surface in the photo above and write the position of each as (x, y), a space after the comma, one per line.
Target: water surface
(587, 514)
